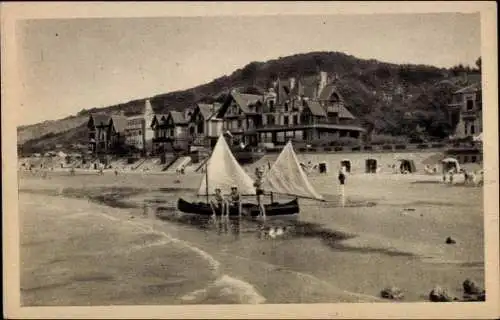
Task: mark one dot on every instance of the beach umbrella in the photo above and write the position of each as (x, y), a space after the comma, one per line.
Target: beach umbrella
(449, 159)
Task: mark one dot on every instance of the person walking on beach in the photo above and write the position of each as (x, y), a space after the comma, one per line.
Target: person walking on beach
(342, 178)
(259, 191)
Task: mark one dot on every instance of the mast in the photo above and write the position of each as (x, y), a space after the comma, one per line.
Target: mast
(206, 179)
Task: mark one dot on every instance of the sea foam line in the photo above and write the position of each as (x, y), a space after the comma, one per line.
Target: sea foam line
(214, 264)
(225, 286)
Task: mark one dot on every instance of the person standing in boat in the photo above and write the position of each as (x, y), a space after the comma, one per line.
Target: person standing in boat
(234, 200)
(218, 202)
(258, 191)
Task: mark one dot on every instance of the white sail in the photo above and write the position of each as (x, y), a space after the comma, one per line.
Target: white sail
(286, 176)
(224, 171)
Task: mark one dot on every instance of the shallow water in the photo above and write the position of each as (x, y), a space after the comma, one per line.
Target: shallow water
(328, 253)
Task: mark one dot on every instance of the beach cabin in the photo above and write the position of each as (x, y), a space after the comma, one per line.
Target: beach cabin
(322, 167)
(450, 164)
(346, 163)
(406, 166)
(371, 166)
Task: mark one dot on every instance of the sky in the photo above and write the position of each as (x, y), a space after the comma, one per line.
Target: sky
(67, 65)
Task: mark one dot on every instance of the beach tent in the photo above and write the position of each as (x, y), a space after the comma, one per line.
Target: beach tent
(346, 163)
(450, 164)
(406, 165)
(371, 166)
(322, 167)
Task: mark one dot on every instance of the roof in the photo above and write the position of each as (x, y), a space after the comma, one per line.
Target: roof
(327, 92)
(475, 87)
(244, 100)
(178, 117)
(207, 110)
(342, 111)
(100, 119)
(316, 108)
(119, 122)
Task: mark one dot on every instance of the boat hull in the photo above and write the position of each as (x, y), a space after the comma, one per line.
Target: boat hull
(274, 209)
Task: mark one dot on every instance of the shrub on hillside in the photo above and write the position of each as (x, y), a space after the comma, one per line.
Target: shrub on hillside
(380, 139)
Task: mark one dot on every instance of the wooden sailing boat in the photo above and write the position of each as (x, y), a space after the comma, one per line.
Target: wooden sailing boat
(223, 172)
(287, 177)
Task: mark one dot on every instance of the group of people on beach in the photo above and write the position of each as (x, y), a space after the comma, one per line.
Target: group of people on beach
(233, 200)
(470, 178)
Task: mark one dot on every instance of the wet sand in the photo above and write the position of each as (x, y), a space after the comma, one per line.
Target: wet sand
(101, 240)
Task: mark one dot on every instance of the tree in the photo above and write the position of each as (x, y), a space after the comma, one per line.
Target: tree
(478, 63)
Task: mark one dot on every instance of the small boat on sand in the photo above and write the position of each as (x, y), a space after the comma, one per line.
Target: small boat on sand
(222, 171)
(248, 209)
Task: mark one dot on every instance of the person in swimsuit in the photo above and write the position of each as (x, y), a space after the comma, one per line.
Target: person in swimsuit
(218, 202)
(342, 176)
(234, 198)
(259, 191)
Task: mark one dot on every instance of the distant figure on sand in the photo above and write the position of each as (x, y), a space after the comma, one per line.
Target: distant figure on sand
(235, 199)
(342, 176)
(218, 202)
(450, 176)
(259, 191)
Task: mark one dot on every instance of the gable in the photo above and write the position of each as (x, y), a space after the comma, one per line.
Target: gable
(90, 123)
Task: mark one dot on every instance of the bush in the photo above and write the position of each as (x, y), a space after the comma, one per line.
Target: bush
(380, 139)
(346, 141)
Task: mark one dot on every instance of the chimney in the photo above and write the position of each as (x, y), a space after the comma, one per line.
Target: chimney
(291, 83)
(148, 109)
(322, 82)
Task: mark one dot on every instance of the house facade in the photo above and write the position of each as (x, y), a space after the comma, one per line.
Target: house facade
(466, 111)
(106, 133)
(170, 131)
(306, 110)
(203, 127)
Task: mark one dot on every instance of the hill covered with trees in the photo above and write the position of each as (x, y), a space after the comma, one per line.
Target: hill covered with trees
(389, 99)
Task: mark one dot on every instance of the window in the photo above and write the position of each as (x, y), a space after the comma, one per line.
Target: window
(465, 128)
(285, 120)
(270, 120)
(271, 105)
(286, 106)
(473, 159)
(295, 119)
(239, 124)
(140, 132)
(470, 104)
(472, 129)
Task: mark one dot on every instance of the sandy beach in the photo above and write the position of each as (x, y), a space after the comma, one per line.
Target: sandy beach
(114, 240)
